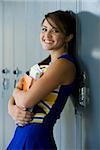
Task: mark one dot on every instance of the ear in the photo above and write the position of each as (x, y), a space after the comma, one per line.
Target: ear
(69, 38)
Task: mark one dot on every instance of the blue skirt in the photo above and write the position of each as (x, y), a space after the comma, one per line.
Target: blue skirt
(33, 137)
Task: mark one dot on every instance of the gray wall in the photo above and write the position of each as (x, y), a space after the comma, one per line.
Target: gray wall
(90, 55)
(19, 47)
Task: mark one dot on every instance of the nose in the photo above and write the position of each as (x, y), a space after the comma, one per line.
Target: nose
(48, 34)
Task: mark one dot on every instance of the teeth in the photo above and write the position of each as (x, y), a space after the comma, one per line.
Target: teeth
(48, 42)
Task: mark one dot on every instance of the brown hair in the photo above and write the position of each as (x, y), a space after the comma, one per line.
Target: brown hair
(66, 23)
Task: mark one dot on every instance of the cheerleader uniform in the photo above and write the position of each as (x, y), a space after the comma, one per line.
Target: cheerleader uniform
(38, 135)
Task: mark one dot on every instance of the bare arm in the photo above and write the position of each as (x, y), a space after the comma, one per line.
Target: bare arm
(60, 72)
(19, 115)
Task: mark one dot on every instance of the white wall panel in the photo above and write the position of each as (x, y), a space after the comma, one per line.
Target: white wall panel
(90, 55)
(6, 53)
(1, 101)
(7, 35)
(18, 12)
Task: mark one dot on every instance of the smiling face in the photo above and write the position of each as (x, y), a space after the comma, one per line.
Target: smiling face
(51, 37)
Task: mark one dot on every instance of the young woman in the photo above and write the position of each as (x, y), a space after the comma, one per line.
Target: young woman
(48, 94)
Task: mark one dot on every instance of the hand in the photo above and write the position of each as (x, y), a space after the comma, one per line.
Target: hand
(20, 115)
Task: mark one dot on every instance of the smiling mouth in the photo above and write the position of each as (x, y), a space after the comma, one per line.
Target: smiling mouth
(48, 42)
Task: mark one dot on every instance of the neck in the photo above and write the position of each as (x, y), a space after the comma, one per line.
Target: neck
(56, 54)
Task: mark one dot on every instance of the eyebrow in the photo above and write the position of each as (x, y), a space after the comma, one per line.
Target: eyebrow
(44, 26)
(52, 27)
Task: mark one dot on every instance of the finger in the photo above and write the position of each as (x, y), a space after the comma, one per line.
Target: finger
(28, 114)
(24, 119)
(21, 111)
(21, 123)
(23, 115)
(22, 107)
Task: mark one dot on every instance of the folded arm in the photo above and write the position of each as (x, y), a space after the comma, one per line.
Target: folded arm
(58, 73)
(21, 116)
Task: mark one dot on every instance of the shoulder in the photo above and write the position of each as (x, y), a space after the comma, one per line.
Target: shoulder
(63, 65)
(64, 69)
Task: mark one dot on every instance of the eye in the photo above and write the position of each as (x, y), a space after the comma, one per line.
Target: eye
(43, 29)
(54, 30)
